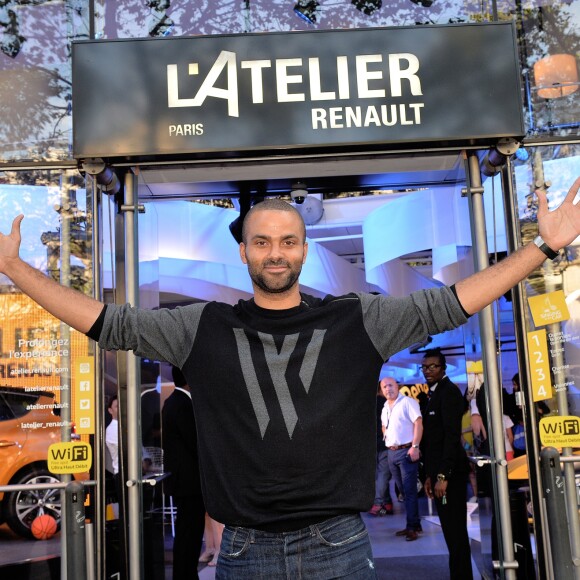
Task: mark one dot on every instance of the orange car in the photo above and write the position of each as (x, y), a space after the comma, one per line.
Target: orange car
(28, 426)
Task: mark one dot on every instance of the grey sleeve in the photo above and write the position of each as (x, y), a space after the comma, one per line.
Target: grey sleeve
(163, 335)
(393, 324)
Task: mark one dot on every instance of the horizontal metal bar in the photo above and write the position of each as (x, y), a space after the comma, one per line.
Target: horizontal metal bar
(35, 486)
(570, 459)
(481, 460)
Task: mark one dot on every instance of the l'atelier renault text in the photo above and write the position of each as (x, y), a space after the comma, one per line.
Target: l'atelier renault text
(298, 81)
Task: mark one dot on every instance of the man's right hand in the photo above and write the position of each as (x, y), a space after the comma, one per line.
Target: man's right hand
(10, 244)
(427, 487)
(72, 307)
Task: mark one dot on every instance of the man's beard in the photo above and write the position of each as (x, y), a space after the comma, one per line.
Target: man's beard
(284, 283)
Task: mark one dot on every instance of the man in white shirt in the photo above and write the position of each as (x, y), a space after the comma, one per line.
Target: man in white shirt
(402, 430)
(112, 434)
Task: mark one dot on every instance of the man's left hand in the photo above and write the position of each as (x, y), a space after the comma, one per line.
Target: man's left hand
(560, 227)
(414, 454)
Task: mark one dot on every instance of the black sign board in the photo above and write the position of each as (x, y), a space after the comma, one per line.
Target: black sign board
(404, 87)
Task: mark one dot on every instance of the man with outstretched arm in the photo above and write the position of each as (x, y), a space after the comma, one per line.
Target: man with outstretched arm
(283, 386)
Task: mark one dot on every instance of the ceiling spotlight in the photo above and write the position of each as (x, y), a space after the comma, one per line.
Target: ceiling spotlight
(367, 6)
(306, 9)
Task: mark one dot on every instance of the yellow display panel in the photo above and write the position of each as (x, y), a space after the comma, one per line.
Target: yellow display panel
(70, 457)
(549, 308)
(539, 365)
(84, 395)
(560, 431)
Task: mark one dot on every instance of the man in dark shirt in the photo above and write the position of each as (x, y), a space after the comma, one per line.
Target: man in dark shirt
(150, 405)
(181, 461)
(446, 463)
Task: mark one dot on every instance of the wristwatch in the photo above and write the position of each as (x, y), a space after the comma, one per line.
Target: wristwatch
(441, 477)
(546, 250)
(415, 446)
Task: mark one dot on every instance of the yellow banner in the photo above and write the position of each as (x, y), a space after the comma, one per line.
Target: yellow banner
(539, 365)
(71, 457)
(560, 431)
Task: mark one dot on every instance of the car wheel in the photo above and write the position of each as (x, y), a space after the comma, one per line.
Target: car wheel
(22, 507)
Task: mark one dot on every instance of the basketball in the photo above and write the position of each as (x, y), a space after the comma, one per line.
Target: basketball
(43, 527)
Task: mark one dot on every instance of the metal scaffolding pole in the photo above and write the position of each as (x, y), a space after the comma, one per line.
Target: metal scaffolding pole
(532, 439)
(134, 492)
(488, 343)
(65, 362)
(95, 231)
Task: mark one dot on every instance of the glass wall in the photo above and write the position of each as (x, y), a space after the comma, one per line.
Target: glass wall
(552, 315)
(547, 393)
(46, 368)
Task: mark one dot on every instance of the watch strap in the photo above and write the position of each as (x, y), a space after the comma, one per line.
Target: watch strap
(549, 253)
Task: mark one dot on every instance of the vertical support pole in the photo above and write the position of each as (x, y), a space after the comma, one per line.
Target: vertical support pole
(532, 439)
(554, 494)
(488, 344)
(95, 234)
(65, 362)
(121, 298)
(134, 462)
(90, 550)
(76, 562)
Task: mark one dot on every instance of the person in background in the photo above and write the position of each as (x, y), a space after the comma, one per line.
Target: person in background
(183, 484)
(383, 504)
(446, 462)
(150, 405)
(508, 437)
(112, 483)
(402, 426)
(468, 445)
(112, 435)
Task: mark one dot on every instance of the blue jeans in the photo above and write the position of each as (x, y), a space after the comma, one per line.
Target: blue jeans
(336, 548)
(383, 477)
(405, 473)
